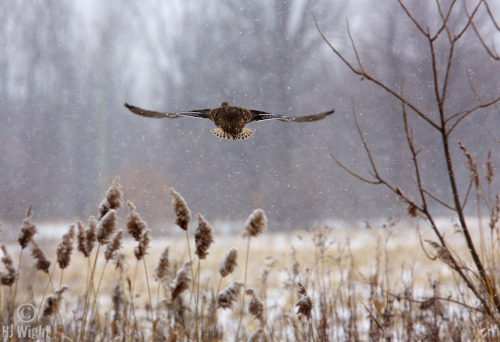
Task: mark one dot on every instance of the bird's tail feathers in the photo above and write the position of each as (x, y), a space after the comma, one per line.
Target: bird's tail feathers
(244, 134)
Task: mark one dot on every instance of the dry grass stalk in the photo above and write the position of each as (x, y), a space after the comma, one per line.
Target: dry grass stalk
(182, 280)
(255, 306)
(181, 210)
(114, 246)
(257, 335)
(106, 227)
(203, 237)
(161, 272)
(42, 263)
(113, 198)
(28, 229)
(117, 299)
(226, 298)
(135, 225)
(65, 247)
(442, 253)
(229, 262)
(10, 276)
(255, 224)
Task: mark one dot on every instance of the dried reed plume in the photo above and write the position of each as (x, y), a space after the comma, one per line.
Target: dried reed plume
(113, 198)
(470, 164)
(304, 307)
(255, 224)
(28, 230)
(229, 262)
(10, 277)
(143, 245)
(301, 290)
(65, 247)
(80, 238)
(490, 169)
(42, 263)
(181, 210)
(90, 235)
(106, 227)
(305, 302)
(182, 280)
(255, 306)
(412, 210)
(86, 238)
(203, 237)
(163, 266)
(443, 253)
(256, 336)
(115, 245)
(226, 298)
(52, 302)
(135, 225)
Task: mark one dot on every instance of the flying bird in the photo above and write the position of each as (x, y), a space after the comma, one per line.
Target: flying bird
(230, 120)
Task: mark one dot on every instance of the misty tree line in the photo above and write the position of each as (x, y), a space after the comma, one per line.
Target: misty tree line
(68, 67)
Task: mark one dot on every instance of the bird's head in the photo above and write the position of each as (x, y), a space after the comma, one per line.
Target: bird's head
(224, 105)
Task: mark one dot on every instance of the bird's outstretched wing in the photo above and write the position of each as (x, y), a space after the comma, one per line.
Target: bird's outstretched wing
(203, 113)
(258, 115)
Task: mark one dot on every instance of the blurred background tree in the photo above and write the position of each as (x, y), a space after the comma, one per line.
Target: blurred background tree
(67, 68)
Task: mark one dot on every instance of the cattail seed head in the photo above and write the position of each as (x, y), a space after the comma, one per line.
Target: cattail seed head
(135, 225)
(65, 247)
(116, 244)
(42, 263)
(181, 210)
(182, 280)
(203, 237)
(255, 224)
(28, 229)
(229, 262)
(226, 298)
(163, 266)
(106, 227)
(113, 199)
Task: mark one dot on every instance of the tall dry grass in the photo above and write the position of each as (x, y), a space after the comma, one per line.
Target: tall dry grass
(319, 288)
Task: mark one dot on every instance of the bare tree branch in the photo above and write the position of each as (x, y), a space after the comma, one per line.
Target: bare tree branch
(495, 55)
(377, 82)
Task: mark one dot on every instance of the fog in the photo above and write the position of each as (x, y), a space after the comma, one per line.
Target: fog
(67, 68)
